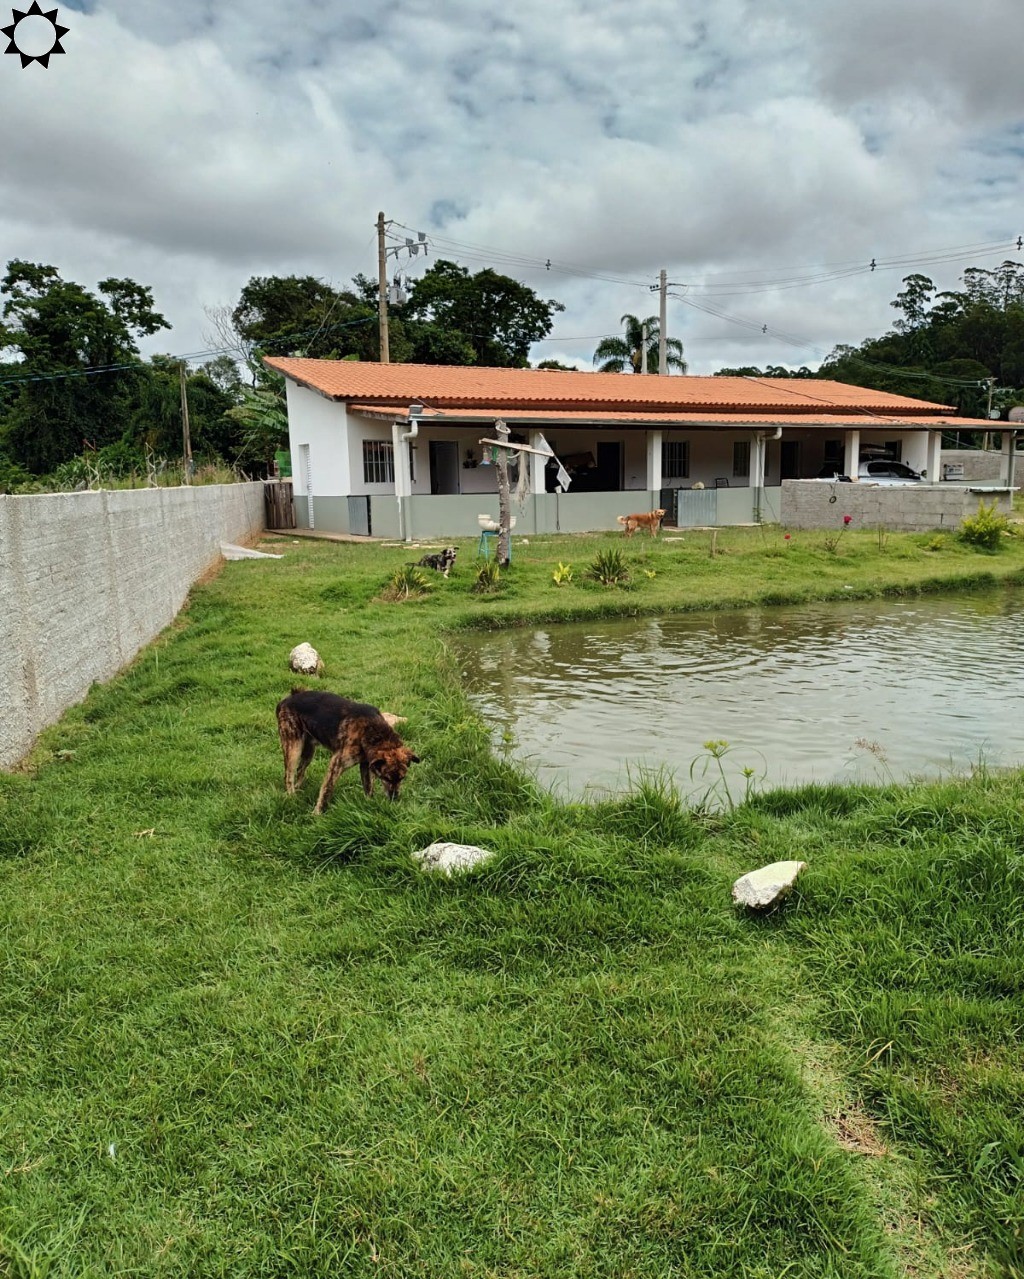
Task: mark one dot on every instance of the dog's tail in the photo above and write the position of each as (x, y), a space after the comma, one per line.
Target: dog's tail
(622, 519)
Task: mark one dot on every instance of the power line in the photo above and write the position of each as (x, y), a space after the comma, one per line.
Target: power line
(726, 284)
(100, 369)
(777, 335)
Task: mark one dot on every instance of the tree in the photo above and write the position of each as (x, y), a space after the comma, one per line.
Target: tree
(156, 417)
(619, 354)
(65, 335)
(488, 315)
(262, 423)
(301, 315)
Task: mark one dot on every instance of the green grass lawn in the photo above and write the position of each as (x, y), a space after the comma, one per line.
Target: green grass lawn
(240, 1040)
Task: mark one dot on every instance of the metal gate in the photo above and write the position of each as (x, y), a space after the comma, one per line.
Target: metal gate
(359, 516)
(697, 507)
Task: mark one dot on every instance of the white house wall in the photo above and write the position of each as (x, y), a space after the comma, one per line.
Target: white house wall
(320, 424)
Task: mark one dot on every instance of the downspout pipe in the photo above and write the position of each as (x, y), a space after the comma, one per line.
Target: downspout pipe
(401, 462)
(761, 440)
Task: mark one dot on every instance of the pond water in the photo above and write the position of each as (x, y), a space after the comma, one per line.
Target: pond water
(862, 691)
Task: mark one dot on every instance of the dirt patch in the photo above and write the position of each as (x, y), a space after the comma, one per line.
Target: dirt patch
(854, 1131)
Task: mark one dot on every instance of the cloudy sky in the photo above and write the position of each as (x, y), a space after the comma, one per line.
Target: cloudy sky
(763, 151)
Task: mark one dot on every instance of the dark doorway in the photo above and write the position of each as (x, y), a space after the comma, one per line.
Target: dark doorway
(789, 460)
(608, 473)
(444, 466)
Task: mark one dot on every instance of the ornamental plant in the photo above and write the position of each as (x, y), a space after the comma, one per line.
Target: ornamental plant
(833, 539)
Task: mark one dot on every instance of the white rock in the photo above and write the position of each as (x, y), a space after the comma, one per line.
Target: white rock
(451, 858)
(764, 887)
(305, 659)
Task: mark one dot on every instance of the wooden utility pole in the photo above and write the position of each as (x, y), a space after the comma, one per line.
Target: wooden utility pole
(186, 435)
(382, 281)
(662, 322)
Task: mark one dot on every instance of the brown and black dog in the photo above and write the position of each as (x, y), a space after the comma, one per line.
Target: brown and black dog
(651, 520)
(354, 734)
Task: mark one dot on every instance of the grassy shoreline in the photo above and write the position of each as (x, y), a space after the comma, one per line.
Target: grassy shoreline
(243, 1040)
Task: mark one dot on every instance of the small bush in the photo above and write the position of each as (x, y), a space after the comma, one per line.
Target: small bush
(609, 568)
(405, 583)
(984, 530)
(488, 578)
(562, 574)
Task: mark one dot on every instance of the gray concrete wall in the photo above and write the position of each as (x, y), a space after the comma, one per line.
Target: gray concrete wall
(907, 507)
(981, 466)
(87, 579)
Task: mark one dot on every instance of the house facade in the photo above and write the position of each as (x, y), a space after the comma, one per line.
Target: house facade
(397, 450)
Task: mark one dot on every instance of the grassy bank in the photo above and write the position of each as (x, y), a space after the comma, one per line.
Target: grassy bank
(241, 1040)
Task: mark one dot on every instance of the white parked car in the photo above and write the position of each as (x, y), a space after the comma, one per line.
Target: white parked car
(888, 471)
(879, 470)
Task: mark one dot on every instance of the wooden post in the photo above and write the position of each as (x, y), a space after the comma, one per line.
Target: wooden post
(504, 497)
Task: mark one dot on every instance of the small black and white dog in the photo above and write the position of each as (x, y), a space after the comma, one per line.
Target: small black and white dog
(441, 562)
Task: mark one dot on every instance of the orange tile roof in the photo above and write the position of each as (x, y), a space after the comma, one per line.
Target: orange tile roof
(582, 417)
(438, 385)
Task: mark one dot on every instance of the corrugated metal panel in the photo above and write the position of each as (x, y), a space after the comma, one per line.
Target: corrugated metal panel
(697, 506)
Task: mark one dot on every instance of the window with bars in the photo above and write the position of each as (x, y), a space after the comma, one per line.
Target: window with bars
(378, 462)
(741, 458)
(675, 459)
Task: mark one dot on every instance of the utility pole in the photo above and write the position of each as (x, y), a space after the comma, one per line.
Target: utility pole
(663, 322)
(986, 439)
(382, 280)
(186, 436)
(643, 348)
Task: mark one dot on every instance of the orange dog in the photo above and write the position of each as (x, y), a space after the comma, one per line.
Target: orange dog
(651, 521)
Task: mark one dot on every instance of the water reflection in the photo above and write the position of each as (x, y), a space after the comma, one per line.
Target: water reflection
(929, 685)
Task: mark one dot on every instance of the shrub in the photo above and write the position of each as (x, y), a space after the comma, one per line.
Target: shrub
(562, 574)
(984, 530)
(488, 578)
(405, 583)
(609, 568)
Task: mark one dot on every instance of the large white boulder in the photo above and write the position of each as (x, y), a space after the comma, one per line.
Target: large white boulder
(450, 859)
(762, 888)
(305, 659)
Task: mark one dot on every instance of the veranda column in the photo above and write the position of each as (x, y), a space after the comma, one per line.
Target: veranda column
(654, 439)
(755, 473)
(851, 455)
(934, 458)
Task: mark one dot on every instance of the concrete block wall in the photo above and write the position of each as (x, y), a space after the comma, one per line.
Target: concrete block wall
(87, 579)
(906, 507)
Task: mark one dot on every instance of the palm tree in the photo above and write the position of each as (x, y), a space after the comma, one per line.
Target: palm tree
(617, 355)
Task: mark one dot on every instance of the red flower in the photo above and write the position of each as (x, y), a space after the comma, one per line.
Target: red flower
(788, 536)
(847, 519)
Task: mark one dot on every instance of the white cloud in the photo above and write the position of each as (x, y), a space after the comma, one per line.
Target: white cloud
(191, 146)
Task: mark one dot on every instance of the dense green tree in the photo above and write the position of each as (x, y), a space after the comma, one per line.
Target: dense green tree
(261, 425)
(625, 354)
(951, 348)
(301, 315)
(156, 416)
(63, 333)
(492, 316)
(770, 370)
